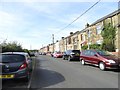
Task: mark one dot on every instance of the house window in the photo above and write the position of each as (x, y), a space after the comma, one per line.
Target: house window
(89, 34)
(99, 29)
(69, 40)
(82, 37)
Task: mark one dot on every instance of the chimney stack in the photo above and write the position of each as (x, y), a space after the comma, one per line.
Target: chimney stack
(71, 33)
(62, 37)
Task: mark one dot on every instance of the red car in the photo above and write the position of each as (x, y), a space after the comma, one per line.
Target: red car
(57, 54)
(100, 58)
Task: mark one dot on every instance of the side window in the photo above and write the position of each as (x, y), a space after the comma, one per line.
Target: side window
(85, 53)
(92, 53)
(88, 53)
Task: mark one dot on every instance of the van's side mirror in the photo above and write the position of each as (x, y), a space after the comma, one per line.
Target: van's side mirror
(96, 55)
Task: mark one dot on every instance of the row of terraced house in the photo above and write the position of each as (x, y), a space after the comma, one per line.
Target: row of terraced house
(80, 38)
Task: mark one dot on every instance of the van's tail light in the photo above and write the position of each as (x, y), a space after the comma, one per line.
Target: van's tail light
(23, 66)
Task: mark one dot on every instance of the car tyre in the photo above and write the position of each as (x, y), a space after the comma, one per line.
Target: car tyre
(63, 58)
(83, 62)
(102, 66)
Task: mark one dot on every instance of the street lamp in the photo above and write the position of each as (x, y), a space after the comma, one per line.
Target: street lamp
(53, 41)
(88, 32)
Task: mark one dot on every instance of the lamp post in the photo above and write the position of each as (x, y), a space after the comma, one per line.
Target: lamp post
(88, 39)
(88, 34)
(53, 41)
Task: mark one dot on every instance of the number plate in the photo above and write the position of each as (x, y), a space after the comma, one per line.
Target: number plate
(77, 54)
(6, 76)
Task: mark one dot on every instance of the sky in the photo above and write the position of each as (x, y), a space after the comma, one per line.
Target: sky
(32, 22)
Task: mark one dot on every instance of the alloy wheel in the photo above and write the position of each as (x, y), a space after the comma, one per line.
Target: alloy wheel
(102, 66)
(82, 62)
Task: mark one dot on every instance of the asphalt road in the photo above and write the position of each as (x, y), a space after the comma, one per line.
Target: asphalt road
(52, 72)
(57, 73)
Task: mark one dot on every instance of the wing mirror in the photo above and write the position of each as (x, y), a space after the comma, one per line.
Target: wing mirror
(96, 55)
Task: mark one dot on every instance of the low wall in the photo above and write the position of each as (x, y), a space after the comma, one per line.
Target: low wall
(116, 53)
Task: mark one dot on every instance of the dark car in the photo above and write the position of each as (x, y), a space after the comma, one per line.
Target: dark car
(15, 65)
(43, 53)
(100, 58)
(71, 55)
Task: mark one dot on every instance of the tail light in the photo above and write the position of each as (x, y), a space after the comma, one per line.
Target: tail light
(23, 66)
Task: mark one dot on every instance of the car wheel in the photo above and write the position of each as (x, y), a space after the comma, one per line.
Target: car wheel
(69, 58)
(102, 66)
(82, 62)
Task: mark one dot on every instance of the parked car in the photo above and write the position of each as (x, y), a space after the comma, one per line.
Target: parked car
(32, 54)
(71, 55)
(57, 54)
(15, 65)
(43, 53)
(100, 58)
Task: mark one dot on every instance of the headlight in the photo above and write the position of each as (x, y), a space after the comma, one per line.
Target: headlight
(111, 61)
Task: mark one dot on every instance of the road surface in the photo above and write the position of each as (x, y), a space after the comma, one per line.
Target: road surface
(52, 72)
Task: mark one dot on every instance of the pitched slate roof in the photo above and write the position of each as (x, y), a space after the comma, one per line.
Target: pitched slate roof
(108, 16)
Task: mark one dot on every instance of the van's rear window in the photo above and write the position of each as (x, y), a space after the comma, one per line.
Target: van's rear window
(76, 51)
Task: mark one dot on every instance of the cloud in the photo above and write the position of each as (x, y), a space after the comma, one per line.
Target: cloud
(7, 19)
(10, 26)
(43, 7)
(7, 22)
(63, 22)
(34, 23)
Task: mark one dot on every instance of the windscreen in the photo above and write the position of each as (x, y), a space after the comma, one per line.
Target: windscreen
(103, 53)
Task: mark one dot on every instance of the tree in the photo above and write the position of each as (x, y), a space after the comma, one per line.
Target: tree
(92, 46)
(11, 47)
(108, 33)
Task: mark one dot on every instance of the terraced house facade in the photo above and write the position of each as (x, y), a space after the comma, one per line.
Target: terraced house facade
(96, 28)
(91, 34)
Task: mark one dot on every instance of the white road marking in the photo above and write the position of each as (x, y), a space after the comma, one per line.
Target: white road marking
(29, 84)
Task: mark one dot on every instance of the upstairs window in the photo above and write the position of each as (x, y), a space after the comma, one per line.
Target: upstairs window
(69, 40)
(99, 29)
(82, 37)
